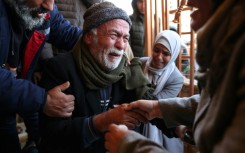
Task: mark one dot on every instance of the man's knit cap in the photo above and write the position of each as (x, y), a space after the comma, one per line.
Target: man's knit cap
(100, 13)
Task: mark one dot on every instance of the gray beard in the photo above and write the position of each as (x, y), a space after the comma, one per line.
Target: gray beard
(25, 13)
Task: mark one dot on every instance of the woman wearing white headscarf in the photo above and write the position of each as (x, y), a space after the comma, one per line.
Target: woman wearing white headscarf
(161, 71)
(160, 68)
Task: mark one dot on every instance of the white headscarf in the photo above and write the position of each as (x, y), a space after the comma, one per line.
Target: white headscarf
(172, 41)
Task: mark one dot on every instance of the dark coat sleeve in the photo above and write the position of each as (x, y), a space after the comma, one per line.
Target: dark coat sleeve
(18, 95)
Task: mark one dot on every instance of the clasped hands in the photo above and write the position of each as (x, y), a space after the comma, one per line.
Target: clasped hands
(130, 115)
(147, 109)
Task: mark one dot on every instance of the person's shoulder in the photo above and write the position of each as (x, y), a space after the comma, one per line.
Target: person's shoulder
(61, 58)
(177, 71)
(132, 17)
(177, 74)
(144, 59)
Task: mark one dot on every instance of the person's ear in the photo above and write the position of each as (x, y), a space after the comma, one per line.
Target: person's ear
(88, 37)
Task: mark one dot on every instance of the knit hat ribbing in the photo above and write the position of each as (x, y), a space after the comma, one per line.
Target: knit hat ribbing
(100, 13)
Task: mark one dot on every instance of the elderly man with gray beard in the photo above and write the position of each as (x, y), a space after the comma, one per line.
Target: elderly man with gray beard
(101, 79)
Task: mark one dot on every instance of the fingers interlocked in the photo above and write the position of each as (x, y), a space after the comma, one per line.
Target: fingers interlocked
(132, 119)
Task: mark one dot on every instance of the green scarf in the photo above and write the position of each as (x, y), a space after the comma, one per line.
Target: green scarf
(95, 77)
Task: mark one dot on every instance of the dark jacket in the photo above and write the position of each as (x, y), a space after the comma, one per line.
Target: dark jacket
(67, 135)
(19, 88)
(17, 95)
(137, 32)
(55, 30)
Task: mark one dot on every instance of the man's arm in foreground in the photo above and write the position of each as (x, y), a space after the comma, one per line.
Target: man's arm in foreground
(179, 111)
(119, 139)
(174, 111)
(22, 96)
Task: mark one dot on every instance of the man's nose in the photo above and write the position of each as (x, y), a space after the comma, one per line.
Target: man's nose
(120, 44)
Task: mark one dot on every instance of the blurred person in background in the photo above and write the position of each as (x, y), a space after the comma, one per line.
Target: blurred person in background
(137, 31)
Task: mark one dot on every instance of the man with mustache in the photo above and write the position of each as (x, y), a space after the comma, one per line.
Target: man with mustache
(100, 78)
(217, 114)
(25, 26)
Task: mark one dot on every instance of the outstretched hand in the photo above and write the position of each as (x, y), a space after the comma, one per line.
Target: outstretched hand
(119, 115)
(150, 108)
(59, 104)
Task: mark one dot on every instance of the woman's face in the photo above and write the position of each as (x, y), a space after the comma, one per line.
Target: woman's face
(203, 9)
(160, 56)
